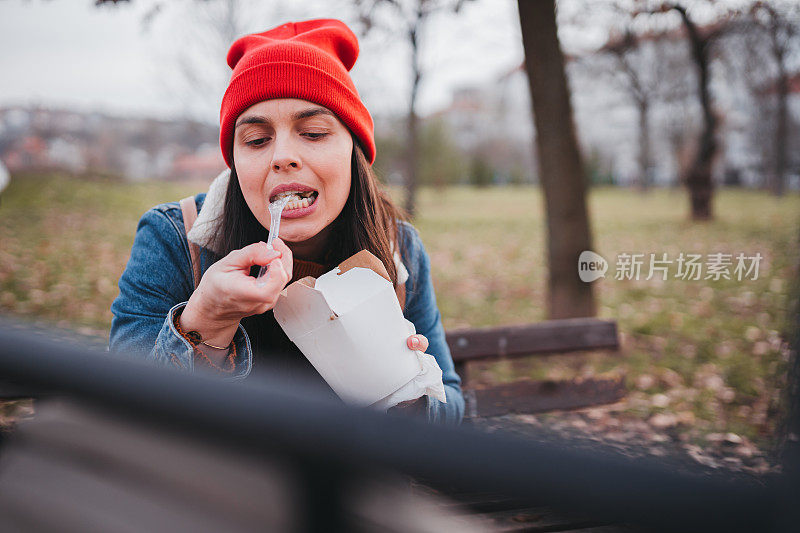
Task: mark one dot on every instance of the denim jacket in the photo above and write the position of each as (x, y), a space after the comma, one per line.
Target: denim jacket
(157, 282)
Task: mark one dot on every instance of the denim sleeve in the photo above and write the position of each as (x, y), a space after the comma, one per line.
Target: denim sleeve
(421, 309)
(155, 284)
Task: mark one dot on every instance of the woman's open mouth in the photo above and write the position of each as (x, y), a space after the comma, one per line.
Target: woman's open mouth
(297, 200)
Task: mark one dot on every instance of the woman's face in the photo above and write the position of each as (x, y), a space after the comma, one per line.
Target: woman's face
(285, 146)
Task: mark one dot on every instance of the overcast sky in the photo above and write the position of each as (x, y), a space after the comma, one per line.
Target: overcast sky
(69, 53)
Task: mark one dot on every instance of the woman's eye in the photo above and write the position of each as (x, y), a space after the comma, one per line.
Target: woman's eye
(314, 135)
(257, 142)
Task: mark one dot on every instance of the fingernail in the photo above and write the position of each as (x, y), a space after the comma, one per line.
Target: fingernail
(414, 342)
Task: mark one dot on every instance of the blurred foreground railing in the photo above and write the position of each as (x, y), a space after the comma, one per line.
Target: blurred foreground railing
(272, 418)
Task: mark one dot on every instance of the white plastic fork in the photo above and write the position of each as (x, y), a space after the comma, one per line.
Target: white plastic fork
(275, 212)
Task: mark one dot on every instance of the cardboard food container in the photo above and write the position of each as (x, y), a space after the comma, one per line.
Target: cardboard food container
(349, 325)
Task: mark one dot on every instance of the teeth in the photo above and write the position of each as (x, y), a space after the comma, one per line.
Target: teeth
(295, 196)
(296, 200)
(293, 193)
(297, 204)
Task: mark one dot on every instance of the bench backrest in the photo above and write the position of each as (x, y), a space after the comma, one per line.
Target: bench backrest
(526, 396)
(552, 336)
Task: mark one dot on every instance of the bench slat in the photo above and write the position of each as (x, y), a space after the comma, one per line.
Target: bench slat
(552, 336)
(528, 396)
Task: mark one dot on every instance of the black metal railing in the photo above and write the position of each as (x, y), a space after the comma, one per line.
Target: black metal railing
(282, 418)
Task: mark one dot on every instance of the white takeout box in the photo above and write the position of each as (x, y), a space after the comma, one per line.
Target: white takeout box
(349, 325)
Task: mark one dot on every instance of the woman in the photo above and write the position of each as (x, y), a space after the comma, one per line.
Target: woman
(291, 123)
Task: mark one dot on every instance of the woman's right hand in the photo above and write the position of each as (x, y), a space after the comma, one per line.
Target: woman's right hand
(227, 292)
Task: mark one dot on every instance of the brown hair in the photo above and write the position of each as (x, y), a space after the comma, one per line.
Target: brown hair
(368, 219)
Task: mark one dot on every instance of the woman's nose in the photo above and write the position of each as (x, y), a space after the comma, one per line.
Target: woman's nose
(285, 156)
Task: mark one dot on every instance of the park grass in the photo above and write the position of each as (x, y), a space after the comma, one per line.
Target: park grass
(715, 349)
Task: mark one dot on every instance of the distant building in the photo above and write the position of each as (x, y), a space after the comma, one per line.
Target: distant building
(37, 138)
(28, 152)
(205, 163)
(493, 122)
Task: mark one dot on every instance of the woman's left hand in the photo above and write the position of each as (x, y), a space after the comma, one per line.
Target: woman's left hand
(417, 342)
(414, 342)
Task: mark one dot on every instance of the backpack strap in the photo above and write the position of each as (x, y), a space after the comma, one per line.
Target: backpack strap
(189, 209)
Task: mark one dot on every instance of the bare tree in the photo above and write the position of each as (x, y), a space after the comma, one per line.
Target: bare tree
(560, 166)
(411, 16)
(644, 68)
(699, 175)
(646, 72)
(780, 28)
(626, 51)
(212, 27)
(197, 75)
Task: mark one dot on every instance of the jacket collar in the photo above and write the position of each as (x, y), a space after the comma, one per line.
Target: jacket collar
(210, 215)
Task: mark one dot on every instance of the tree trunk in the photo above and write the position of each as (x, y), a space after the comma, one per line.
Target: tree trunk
(698, 179)
(781, 135)
(412, 129)
(412, 162)
(644, 145)
(560, 168)
(779, 49)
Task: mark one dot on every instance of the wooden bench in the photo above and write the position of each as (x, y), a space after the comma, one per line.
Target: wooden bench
(544, 338)
(569, 336)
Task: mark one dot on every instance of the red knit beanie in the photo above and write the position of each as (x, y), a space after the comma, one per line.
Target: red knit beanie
(308, 60)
